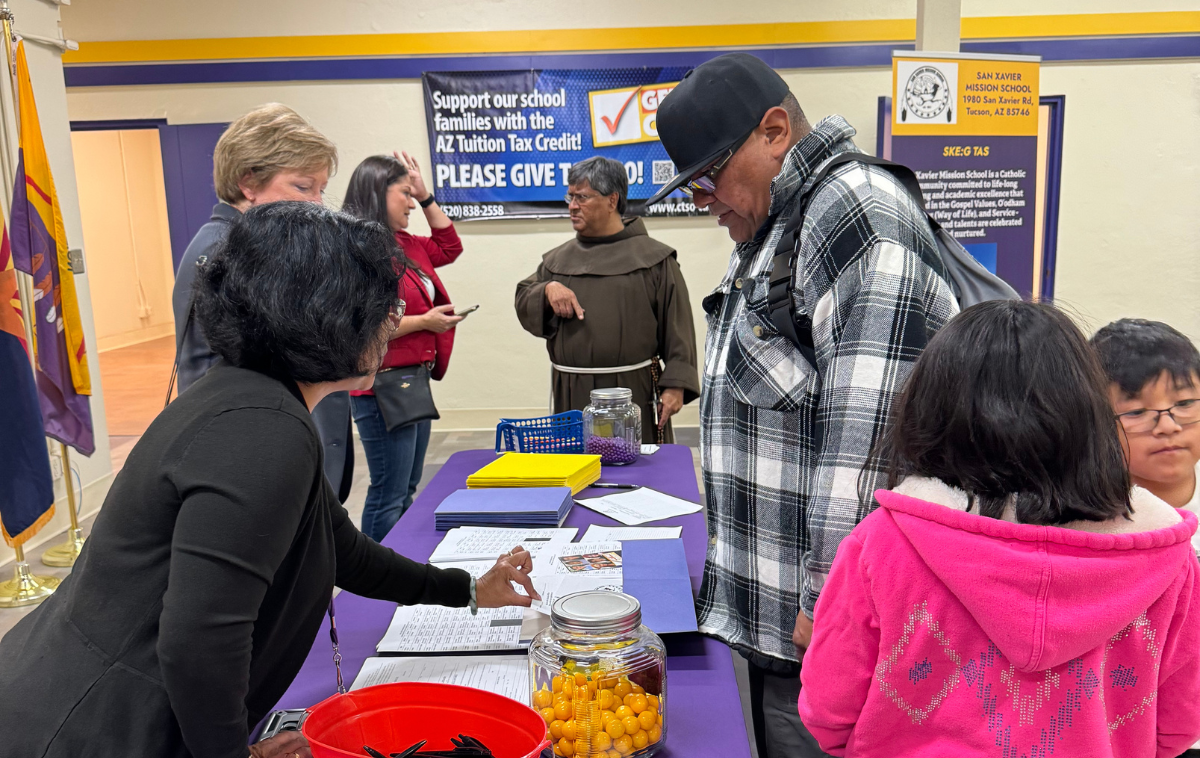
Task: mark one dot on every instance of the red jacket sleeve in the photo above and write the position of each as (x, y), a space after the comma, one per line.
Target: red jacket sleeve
(840, 662)
(443, 246)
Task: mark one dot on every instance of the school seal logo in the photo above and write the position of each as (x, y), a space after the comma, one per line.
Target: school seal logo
(927, 95)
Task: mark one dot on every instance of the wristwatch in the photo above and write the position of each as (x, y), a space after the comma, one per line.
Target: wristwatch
(427, 201)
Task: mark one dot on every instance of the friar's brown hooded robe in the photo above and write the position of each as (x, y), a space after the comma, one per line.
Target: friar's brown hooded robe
(636, 308)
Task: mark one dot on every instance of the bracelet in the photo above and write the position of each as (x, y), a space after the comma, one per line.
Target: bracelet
(427, 201)
(474, 604)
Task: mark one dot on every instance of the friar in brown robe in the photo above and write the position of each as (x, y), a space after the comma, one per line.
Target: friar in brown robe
(625, 302)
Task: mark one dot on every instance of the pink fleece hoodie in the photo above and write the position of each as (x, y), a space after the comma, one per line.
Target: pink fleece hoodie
(945, 633)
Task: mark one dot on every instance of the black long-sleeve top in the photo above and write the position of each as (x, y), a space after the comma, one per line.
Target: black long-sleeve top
(201, 588)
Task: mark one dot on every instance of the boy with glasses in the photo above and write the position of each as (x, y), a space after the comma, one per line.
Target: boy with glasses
(1155, 391)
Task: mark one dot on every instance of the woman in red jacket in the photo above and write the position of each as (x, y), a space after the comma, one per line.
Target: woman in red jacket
(386, 189)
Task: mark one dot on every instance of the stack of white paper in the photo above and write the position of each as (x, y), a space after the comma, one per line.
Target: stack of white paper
(435, 629)
(506, 675)
(640, 506)
(599, 533)
(476, 543)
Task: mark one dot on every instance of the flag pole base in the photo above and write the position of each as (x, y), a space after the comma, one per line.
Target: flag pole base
(25, 588)
(66, 553)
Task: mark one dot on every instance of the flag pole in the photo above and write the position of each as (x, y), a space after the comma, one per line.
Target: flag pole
(25, 588)
(65, 553)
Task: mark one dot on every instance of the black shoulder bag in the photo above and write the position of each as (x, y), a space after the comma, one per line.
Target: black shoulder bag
(404, 396)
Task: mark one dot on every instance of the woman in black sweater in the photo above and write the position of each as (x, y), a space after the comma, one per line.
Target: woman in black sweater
(203, 584)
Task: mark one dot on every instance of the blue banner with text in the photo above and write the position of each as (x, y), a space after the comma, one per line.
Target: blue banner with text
(503, 141)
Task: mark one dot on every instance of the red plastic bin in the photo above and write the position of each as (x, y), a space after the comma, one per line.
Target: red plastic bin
(391, 717)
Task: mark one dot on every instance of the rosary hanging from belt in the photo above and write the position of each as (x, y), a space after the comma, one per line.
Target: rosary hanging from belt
(660, 431)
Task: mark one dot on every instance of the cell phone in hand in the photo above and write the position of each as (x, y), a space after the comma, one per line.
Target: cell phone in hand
(467, 311)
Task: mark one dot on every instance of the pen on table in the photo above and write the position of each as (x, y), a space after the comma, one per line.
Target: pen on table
(610, 486)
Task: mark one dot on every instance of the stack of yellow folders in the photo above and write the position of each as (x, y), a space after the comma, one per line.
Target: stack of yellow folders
(538, 470)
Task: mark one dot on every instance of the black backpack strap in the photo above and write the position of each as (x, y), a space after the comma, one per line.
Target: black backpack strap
(780, 307)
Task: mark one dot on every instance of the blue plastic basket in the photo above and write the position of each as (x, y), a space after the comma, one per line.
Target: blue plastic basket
(560, 433)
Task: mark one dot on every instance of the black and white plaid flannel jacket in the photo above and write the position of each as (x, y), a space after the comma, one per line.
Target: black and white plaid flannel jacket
(783, 443)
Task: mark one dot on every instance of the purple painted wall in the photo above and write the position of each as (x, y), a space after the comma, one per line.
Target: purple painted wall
(187, 151)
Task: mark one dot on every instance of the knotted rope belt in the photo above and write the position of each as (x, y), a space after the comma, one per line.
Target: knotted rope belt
(651, 363)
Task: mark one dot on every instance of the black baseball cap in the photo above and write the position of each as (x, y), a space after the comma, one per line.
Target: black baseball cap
(717, 104)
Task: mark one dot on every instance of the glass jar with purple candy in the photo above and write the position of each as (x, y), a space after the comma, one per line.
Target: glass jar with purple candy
(612, 426)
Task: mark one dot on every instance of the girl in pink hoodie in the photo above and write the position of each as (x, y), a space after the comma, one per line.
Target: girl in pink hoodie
(1010, 598)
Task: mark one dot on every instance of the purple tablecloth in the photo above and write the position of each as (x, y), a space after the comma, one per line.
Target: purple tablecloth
(704, 712)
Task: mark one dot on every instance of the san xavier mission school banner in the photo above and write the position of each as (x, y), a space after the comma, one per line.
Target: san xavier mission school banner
(967, 125)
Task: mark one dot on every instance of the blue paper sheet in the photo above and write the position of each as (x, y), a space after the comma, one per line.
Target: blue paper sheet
(656, 573)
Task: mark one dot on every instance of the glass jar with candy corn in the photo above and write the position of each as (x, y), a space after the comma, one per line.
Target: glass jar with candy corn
(600, 678)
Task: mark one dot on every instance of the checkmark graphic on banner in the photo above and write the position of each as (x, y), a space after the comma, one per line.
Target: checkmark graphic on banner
(612, 125)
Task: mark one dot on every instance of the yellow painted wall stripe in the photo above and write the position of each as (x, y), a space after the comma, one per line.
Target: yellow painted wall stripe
(467, 43)
(630, 38)
(1081, 25)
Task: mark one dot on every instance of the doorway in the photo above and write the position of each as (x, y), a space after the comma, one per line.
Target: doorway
(141, 201)
(123, 209)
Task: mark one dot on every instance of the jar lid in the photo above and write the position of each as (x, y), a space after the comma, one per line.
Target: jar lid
(612, 394)
(597, 612)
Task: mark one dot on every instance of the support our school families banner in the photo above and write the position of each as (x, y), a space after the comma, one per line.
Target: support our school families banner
(968, 126)
(502, 141)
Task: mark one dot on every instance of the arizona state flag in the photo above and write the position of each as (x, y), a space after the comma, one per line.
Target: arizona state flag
(39, 248)
(26, 489)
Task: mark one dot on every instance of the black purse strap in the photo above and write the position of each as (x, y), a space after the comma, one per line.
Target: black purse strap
(187, 324)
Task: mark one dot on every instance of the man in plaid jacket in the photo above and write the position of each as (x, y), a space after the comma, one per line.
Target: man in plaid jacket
(785, 440)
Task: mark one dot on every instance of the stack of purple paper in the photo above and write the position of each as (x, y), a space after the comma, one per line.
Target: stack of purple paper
(531, 507)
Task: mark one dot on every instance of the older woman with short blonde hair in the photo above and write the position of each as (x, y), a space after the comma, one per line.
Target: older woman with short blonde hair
(270, 154)
(267, 145)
